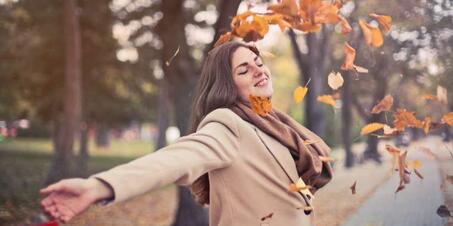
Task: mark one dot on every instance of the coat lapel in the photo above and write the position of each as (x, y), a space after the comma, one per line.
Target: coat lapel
(280, 153)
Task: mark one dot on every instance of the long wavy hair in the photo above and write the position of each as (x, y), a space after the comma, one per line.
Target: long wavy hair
(216, 89)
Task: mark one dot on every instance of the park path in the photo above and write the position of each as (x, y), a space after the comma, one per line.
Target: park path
(415, 205)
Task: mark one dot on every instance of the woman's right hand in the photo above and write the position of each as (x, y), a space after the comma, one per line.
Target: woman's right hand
(69, 197)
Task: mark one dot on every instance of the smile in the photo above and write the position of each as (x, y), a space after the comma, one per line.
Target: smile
(261, 82)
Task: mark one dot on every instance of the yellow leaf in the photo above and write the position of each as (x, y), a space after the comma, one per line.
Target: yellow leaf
(373, 35)
(371, 127)
(427, 124)
(327, 99)
(298, 186)
(360, 69)
(288, 7)
(335, 80)
(413, 164)
(299, 94)
(389, 130)
(448, 118)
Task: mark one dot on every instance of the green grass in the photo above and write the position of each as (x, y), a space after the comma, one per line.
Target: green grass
(24, 164)
(116, 148)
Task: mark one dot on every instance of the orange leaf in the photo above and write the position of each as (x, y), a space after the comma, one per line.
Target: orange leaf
(404, 118)
(299, 94)
(288, 7)
(327, 99)
(384, 21)
(345, 26)
(430, 97)
(349, 57)
(261, 105)
(279, 20)
(373, 35)
(308, 27)
(327, 13)
(326, 159)
(371, 127)
(298, 186)
(384, 105)
(426, 124)
(448, 118)
(223, 39)
(249, 26)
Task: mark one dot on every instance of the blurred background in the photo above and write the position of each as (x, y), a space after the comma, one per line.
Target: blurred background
(87, 85)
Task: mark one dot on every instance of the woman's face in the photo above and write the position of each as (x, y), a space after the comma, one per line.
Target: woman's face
(250, 75)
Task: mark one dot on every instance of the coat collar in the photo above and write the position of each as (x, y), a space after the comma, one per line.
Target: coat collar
(280, 153)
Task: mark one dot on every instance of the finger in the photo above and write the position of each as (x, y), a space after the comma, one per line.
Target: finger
(51, 188)
(65, 211)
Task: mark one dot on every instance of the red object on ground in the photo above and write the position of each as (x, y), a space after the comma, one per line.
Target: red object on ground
(49, 223)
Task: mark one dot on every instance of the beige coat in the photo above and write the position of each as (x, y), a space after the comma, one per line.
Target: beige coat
(246, 179)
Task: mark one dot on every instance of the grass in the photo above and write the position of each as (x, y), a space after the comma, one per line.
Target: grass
(24, 164)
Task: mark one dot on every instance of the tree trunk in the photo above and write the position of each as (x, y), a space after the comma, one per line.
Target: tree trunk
(102, 135)
(163, 117)
(346, 115)
(63, 163)
(83, 152)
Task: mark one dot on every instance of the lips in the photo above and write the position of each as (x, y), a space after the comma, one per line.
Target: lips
(261, 82)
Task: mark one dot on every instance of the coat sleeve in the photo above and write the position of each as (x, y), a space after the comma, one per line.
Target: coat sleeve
(213, 146)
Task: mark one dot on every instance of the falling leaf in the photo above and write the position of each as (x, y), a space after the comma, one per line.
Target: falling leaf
(288, 7)
(345, 26)
(443, 211)
(353, 187)
(223, 39)
(449, 178)
(299, 94)
(448, 118)
(430, 97)
(349, 57)
(400, 187)
(327, 99)
(308, 27)
(308, 142)
(395, 153)
(360, 69)
(383, 20)
(335, 80)
(261, 105)
(168, 62)
(373, 35)
(298, 186)
(269, 216)
(326, 159)
(442, 94)
(426, 124)
(404, 118)
(384, 105)
(414, 164)
(279, 20)
(418, 174)
(371, 127)
(249, 26)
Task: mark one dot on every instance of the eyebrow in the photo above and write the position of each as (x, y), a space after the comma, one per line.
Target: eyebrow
(245, 63)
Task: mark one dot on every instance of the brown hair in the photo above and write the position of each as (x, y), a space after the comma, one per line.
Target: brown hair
(216, 89)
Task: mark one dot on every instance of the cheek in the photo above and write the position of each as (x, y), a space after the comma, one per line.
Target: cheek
(243, 86)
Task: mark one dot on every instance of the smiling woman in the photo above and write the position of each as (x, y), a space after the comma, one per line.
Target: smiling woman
(236, 161)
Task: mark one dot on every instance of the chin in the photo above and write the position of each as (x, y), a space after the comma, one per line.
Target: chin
(263, 92)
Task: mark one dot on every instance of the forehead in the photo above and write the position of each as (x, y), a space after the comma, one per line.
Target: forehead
(241, 55)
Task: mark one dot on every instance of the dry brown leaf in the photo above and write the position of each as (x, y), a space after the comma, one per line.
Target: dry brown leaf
(418, 174)
(279, 20)
(384, 105)
(371, 127)
(404, 118)
(383, 20)
(269, 216)
(261, 105)
(345, 26)
(349, 57)
(373, 36)
(299, 94)
(430, 97)
(327, 99)
(353, 191)
(335, 80)
(427, 124)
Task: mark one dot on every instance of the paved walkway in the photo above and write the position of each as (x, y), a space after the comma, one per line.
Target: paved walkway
(416, 205)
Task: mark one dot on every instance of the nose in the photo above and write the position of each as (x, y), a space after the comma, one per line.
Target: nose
(257, 71)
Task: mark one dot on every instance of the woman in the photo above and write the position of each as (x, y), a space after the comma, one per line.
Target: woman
(238, 162)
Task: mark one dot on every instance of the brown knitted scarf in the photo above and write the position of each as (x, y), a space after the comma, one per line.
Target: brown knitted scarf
(291, 134)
